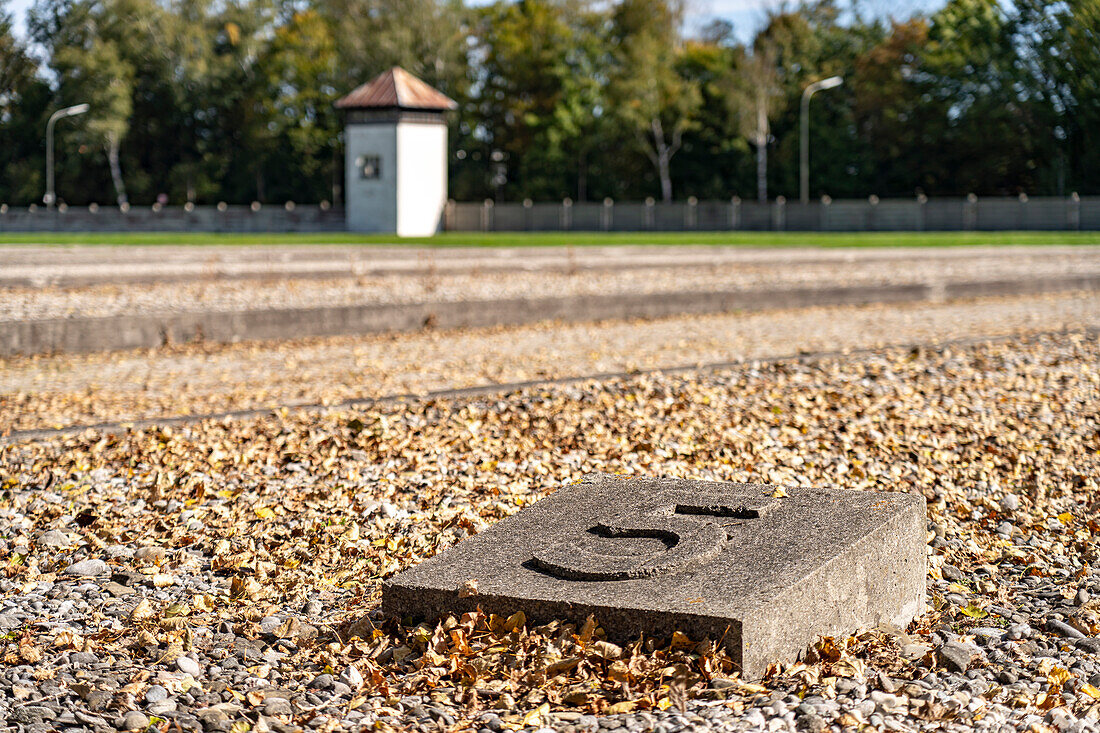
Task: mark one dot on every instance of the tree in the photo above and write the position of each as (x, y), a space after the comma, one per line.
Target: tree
(98, 76)
(653, 100)
(90, 69)
(754, 96)
(23, 100)
(16, 66)
(425, 37)
(991, 141)
(1060, 44)
(302, 77)
(809, 42)
(714, 161)
(536, 108)
(892, 115)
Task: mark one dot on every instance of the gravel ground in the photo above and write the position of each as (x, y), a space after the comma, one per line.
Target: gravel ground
(58, 391)
(18, 304)
(51, 263)
(223, 576)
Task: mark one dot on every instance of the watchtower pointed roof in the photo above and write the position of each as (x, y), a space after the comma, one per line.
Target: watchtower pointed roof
(396, 89)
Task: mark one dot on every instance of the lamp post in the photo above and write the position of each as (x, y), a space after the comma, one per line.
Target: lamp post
(77, 109)
(804, 148)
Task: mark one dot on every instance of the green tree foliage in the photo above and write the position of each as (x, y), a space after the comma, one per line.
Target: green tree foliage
(1060, 43)
(535, 113)
(232, 100)
(895, 122)
(653, 100)
(989, 139)
(301, 88)
(23, 102)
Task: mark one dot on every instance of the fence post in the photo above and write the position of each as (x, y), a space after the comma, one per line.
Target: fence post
(528, 204)
(649, 212)
(607, 214)
(922, 214)
(566, 213)
(690, 213)
(1021, 222)
(779, 214)
(735, 212)
(970, 212)
(826, 202)
(1073, 211)
(872, 220)
(449, 215)
(486, 215)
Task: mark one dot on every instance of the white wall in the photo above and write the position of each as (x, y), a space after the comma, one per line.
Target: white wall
(421, 178)
(371, 204)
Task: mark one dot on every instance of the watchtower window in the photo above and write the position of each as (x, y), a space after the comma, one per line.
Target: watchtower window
(370, 166)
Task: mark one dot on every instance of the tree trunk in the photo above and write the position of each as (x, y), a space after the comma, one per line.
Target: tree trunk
(663, 151)
(666, 179)
(116, 169)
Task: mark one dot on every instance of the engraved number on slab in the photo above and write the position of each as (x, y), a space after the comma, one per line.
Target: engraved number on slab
(690, 527)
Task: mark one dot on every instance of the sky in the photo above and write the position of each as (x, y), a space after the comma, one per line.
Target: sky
(746, 15)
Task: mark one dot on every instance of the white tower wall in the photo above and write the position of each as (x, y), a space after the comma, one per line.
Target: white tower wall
(421, 177)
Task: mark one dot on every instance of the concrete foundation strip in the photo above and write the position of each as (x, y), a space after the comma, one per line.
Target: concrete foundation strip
(111, 333)
(109, 428)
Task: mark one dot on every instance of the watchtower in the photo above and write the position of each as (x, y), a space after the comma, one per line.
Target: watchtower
(395, 141)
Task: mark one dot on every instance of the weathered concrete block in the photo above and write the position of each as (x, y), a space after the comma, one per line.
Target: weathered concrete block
(763, 573)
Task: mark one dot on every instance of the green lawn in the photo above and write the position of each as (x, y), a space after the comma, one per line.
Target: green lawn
(559, 239)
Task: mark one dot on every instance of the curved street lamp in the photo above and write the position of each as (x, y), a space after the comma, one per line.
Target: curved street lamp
(804, 148)
(76, 109)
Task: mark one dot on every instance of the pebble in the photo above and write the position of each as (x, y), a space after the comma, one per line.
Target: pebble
(53, 538)
(156, 693)
(277, 706)
(150, 554)
(162, 707)
(1064, 629)
(116, 552)
(118, 590)
(352, 677)
(134, 720)
(1089, 644)
(88, 568)
(322, 682)
(986, 635)
(187, 665)
(1019, 631)
(952, 573)
(888, 704)
(954, 656)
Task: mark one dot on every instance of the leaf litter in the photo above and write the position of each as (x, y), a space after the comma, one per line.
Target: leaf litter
(277, 530)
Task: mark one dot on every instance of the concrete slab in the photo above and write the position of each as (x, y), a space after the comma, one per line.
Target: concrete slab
(110, 333)
(741, 563)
